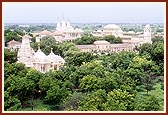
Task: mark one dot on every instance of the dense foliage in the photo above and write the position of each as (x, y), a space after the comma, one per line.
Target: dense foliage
(124, 81)
(89, 39)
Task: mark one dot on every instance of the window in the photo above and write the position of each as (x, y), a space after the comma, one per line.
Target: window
(55, 67)
(98, 47)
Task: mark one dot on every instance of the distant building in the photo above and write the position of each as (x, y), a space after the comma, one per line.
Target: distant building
(103, 46)
(44, 33)
(13, 45)
(38, 59)
(127, 37)
(64, 32)
(24, 26)
(26, 53)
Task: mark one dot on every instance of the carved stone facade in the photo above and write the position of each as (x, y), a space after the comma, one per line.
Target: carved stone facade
(38, 59)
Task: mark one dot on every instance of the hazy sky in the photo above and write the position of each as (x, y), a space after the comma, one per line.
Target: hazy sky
(84, 12)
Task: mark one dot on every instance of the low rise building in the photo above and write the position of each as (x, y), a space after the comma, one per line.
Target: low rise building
(13, 45)
(103, 46)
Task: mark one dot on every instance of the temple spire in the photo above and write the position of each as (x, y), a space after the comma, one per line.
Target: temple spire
(51, 50)
(38, 46)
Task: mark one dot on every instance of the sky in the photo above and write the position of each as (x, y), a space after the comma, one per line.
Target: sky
(107, 12)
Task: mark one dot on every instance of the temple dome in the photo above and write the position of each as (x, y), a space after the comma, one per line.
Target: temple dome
(111, 26)
(52, 58)
(39, 56)
(131, 32)
(147, 26)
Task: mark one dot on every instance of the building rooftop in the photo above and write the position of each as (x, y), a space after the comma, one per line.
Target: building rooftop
(100, 42)
(111, 26)
(45, 32)
(85, 46)
(13, 42)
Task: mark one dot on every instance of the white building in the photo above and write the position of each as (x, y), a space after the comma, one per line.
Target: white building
(38, 59)
(13, 45)
(103, 46)
(147, 34)
(64, 32)
(26, 53)
(44, 33)
(130, 39)
(127, 37)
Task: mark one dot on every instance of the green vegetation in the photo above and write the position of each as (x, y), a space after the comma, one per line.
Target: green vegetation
(89, 39)
(124, 81)
(12, 35)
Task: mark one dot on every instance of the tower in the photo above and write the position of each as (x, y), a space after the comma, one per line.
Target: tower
(58, 28)
(147, 34)
(25, 53)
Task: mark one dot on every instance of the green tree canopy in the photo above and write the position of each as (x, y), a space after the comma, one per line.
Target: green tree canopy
(118, 100)
(10, 56)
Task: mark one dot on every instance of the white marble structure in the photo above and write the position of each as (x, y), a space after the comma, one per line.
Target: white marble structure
(26, 53)
(106, 47)
(127, 37)
(147, 34)
(38, 59)
(64, 32)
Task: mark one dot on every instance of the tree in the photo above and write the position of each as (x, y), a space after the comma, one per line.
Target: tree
(46, 44)
(86, 39)
(90, 83)
(118, 100)
(117, 60)
(157, 39)
(34, 76)
(148, 69)
(11, 103)
(117, 40)
(145, 49)
(16, 69)
(21, 88)
(78, 58)
(158, 52)
(45, 83)
(10, 56)
(91, 68)
(56, 94)
(11, 35)
(109, 82)
(93, 101)
(112, 39)
(67, 48)
(72, 101)
(147, 103)
(124, 82)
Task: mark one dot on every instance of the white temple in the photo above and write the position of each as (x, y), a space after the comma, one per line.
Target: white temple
(129, 37)
(38, 60)
(64, 32)
(26, 53)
